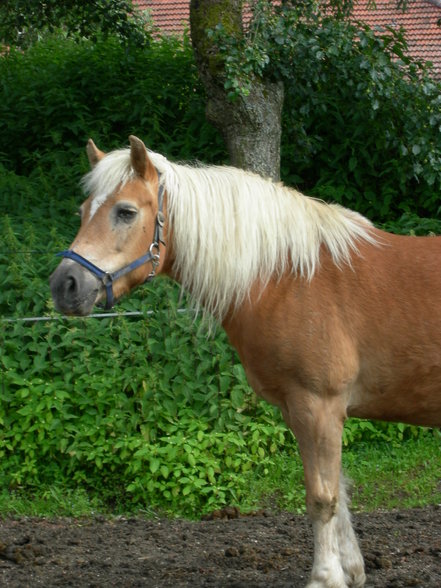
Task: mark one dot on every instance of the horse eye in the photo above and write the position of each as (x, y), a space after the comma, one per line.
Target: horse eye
(125, 214)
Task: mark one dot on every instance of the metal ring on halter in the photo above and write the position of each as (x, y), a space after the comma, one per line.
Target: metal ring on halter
(155, 258)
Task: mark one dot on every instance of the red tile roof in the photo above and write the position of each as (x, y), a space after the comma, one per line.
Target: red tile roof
(170, 16)
(423, 35)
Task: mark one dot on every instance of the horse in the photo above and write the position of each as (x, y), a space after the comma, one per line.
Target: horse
(331, 317)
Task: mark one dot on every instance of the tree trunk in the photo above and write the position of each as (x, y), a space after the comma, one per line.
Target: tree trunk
(250, 125)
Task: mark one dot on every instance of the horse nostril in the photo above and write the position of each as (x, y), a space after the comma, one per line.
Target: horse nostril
(71, 286)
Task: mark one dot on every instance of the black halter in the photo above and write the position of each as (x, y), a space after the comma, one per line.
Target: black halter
(152, 256)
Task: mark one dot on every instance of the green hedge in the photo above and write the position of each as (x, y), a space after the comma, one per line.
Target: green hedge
(148, 411)
(60, 92)
(145, 411)
(362, 122)
(107, 405)
(357, 128)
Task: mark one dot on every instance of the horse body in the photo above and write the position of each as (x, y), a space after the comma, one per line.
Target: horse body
(363, 342)
(368, 334)
(331, 318)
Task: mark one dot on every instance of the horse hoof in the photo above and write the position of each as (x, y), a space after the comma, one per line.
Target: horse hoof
(356, 582)
(327, 581)
(326, 584)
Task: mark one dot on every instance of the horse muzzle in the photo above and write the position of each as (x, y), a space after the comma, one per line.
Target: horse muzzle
(74, 289)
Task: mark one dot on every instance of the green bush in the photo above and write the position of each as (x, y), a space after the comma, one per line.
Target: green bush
(60, 92)
(106, 404)
(148, 411)
(361, 128)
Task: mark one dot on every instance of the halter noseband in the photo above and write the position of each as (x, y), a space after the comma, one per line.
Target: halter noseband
(152, 256)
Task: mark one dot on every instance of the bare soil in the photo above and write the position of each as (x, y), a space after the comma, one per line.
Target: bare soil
(401, 549)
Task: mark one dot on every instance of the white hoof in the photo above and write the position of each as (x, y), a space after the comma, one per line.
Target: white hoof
(328, 577)
(325, 584)
(357, 580)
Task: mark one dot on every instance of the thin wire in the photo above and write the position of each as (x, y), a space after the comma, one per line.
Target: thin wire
(98, 315)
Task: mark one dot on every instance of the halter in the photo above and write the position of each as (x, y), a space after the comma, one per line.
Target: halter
(152, 256)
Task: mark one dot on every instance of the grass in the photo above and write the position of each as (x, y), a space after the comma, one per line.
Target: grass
(406, 475)
(384, 476)
(50, 501)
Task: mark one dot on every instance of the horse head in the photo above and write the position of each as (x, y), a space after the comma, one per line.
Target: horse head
(120, 240)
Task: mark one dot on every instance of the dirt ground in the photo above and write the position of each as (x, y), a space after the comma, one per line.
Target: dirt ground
(263, 551)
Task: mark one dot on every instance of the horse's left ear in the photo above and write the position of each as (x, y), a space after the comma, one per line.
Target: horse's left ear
(93, 153)
(141, 162)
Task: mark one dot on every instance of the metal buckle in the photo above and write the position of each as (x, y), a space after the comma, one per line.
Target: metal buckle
(106, 279)
(155, 258)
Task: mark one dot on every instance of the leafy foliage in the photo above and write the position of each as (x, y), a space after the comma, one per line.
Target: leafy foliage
(105, 404)
(22, 23)
(149, 411)
(58, 94)
(383, 148)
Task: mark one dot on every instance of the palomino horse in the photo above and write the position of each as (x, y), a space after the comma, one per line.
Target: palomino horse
(330, 316)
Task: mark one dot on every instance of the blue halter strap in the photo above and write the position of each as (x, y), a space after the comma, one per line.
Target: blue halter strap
(151, 256)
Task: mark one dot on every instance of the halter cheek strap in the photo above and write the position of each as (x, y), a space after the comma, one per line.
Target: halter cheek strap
(152, 256)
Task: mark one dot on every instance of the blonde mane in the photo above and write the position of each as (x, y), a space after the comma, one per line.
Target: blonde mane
(232, 228)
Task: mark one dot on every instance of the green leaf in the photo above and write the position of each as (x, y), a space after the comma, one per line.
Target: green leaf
(416, 149)
(154, 465)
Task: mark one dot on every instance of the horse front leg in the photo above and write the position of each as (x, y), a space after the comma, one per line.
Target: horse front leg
(317, 424)
(350, 554)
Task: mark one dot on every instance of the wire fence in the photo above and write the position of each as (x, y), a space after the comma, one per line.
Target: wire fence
(98, 315)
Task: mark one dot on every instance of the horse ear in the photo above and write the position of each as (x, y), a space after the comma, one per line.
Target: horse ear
(141, 162)
(93, 153)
